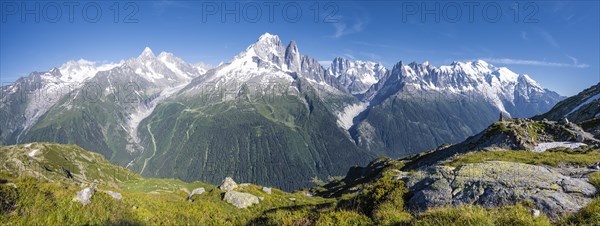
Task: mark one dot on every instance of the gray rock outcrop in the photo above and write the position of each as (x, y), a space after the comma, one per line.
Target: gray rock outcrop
(497, 183)
(115, 195)
(84, 196)
(267, 190)
(240, 200)
(228, 184)
(197, 191)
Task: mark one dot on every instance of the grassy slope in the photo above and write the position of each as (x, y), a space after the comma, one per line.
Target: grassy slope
(553, 157)
(54, 161)
(44, 197)
(376, 200)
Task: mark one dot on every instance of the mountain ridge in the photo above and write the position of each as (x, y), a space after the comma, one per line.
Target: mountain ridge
(365, 107)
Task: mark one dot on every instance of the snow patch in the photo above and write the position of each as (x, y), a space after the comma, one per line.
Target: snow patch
(589, 100)
(33, 152)
(541, 147)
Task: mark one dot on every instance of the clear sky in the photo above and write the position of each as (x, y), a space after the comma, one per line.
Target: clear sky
(556, 43)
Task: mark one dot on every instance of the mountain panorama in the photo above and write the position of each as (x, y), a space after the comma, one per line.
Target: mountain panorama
(154, 140)
(271, 115)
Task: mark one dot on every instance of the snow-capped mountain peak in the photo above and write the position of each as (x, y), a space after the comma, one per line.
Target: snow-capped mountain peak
(357, 76)
(269, 61)
(499, 85)
(268, 48)
(505, 75)
(269, 38)
(80, 70)
(166, 69)
(147, 53)
(528, 80)
(202, 67)
(262, 61)
(293, 57)
(179, 66)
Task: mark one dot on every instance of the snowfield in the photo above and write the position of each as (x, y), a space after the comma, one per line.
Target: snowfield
(589, 100)
(541, 147)
(33, 153)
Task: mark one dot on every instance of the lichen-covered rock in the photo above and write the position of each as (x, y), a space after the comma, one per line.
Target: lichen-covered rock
(228, 184)
(197, 191)
(240, 200)
(84, 196)
(115, 195)
(497, 183)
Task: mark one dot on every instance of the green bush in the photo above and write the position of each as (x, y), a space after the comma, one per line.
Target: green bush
(8, 198)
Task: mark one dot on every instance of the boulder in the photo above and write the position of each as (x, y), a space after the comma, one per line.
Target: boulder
(84, 196)
(115, 195)
(267, 190)
(496, 183)
(228, 184)
(240, 200)
(197, 191)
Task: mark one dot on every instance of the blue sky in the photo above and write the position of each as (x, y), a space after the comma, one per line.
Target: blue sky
(556, 43)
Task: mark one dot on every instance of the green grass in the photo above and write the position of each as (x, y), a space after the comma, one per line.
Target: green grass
(589, 215)
(310, 215)
(497, 127)
(161, 185)
(37, 202)
(380, 200)
(595, 179)
(44, 197)
(478, 216)
(53, 160)
(535, 128)
(552, 158)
